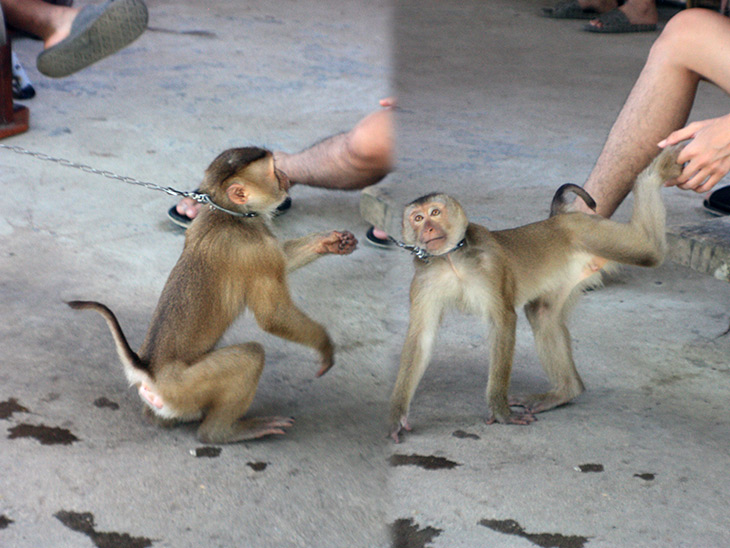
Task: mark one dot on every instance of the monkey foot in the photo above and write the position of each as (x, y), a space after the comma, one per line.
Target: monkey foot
(250, 429)
(537, 403)
(514, 418)
(260, 427)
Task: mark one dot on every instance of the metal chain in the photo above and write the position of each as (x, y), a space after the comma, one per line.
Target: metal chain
(197, 196)
(421, 253)
(415, 250)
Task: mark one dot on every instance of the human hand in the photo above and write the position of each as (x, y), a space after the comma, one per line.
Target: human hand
(706, 157)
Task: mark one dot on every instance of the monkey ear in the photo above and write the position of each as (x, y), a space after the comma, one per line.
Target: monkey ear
(237, 193)
(282, 178)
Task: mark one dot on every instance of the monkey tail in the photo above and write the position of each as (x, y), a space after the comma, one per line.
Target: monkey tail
(665, 164)
(131, 361)
(559, 204)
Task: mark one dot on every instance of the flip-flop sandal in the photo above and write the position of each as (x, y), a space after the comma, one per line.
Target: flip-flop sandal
(96, 32)
(616, 21)
(569, 9)
(718, 201)
(372, 239)
(184, 221)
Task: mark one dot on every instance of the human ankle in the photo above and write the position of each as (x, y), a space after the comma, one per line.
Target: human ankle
(601, 6)
(640, 12)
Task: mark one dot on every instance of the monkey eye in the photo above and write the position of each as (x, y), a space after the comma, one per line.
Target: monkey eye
(435, 212)
(418, 218)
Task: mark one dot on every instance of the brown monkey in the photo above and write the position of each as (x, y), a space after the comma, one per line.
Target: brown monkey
(230, 261)
(540, 266)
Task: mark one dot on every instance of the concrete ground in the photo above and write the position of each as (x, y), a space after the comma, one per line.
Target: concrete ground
(499, 107)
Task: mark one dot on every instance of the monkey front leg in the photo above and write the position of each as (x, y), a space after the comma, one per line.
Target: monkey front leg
(302, 251)
(500, 369)
(277, 314)
(414, 360)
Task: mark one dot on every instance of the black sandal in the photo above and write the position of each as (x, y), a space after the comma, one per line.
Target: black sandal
(372, 239)
(184, 221)
(718, 202)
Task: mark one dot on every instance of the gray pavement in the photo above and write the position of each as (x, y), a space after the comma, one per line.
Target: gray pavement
(499, 107)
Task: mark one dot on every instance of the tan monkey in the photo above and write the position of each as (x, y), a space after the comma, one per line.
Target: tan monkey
(231, 261)
(540, 265)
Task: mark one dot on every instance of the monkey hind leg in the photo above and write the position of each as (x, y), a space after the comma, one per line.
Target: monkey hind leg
(552, 339)
(217, 430)
(222, 385)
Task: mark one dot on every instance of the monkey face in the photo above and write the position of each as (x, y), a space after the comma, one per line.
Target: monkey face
(436, 224)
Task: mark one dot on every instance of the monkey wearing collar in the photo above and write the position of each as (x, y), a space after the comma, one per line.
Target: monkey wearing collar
(231, 261)
(542, 266)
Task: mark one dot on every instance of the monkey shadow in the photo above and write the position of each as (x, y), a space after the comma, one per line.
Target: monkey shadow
(306, 214)
(455, 383)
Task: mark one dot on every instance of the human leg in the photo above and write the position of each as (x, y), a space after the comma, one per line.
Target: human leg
(631, 16)
(74, 39)
(51, 23)
(347, 161)
(690, 48)
(579, 9)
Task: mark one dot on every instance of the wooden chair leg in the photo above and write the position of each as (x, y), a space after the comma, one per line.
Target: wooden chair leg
(13, 118)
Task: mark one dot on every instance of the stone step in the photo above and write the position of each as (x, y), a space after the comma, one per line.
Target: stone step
(703, 246)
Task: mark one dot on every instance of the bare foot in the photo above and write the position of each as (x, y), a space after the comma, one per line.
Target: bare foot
(639, 12)
(601, 6)
(380, 234)
(61, 26)
(188, 207)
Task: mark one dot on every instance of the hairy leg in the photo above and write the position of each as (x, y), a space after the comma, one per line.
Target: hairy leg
(347, 161)
(688, 50)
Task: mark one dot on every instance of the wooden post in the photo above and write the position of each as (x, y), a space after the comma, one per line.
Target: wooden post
(13, 118)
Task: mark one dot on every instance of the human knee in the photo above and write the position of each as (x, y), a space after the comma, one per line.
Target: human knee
(370, 143)
(683, 34)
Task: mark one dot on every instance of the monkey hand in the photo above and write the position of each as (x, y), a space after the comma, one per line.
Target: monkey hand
(339, 243)
(327, 351)
(327, 364)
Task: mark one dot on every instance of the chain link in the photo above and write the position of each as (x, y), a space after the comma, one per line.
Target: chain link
(197, 196)
(421, 253)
